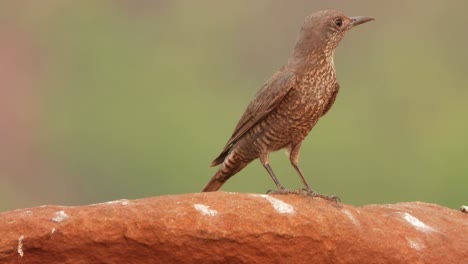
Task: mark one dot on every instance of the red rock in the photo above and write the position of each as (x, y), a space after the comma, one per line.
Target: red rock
(234, 228)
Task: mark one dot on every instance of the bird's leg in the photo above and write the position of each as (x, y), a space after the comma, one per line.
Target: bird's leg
(281, 189)
(298, 170)
(294, 158)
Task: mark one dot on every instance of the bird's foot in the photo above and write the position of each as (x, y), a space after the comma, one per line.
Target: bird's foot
(282, 191)
(312, 193)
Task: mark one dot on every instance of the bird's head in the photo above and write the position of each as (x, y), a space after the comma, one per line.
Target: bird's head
(322, 32)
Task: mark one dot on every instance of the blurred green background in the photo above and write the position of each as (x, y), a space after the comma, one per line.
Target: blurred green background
(102, 100)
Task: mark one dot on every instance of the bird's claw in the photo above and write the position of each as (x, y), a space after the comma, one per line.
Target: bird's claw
(306, 192)
(312, 193)
(282, 191)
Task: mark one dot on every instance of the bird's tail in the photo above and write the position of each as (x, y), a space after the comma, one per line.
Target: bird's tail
(229, 167)
(214, 184)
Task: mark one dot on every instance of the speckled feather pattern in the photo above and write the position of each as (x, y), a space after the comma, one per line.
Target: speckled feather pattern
(292, 120)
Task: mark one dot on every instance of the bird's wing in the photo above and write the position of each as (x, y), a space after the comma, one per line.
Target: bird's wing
(267, 99)
(332, 99)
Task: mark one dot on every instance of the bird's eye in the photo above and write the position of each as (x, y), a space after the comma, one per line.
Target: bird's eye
(339, 22)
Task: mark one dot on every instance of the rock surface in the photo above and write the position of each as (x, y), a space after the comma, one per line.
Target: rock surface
(234, 228)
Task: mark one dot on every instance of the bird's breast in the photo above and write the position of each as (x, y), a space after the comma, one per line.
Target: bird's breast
(304, 105)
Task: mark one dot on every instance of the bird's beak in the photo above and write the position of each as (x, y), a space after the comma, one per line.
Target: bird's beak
(359, 20)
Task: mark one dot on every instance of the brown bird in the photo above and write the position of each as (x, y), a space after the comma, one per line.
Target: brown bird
(289, 105)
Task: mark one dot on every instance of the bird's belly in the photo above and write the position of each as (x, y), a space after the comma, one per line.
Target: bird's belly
(288, 124)
(302, 117)
(300, 128)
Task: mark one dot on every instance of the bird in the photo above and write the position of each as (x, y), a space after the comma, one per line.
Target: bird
(290, 103)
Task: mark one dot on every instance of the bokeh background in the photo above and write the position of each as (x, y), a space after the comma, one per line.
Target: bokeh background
(102, 100)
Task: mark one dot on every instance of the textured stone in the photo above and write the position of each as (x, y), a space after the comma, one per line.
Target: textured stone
(224, 227)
